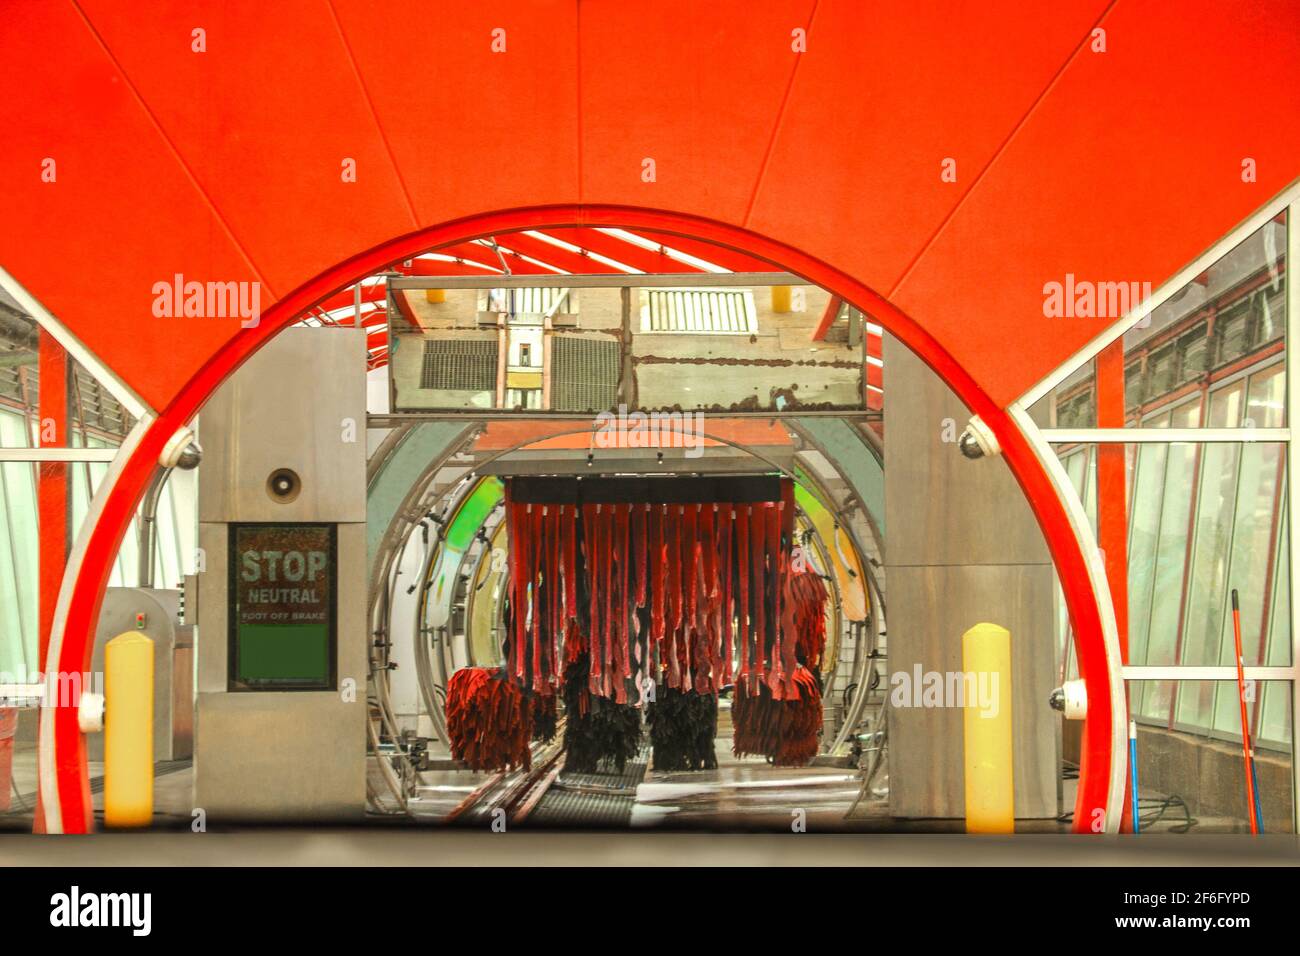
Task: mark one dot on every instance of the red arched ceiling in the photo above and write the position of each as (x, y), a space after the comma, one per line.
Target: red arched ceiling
(225, 164)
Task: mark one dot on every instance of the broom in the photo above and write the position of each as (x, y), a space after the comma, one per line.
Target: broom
(1252, 782)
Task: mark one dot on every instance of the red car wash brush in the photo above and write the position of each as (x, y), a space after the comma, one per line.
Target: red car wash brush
(489, 722)
(634, 581)
(786, 732)
(806, 615)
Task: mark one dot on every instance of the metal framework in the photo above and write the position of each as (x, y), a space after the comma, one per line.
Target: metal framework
(1043, 439)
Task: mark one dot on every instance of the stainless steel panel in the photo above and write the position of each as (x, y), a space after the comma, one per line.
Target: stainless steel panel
(281, 755)
(278, 755)
(963, 547)
(160, 609)
(929, 610)
(299, 403)
(943, 508)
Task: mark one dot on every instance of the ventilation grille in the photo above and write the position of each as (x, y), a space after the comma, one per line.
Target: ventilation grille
(699, 311)
(459, 365)
(100, 410)
(584, 374)
(102, 415)
(528, 301)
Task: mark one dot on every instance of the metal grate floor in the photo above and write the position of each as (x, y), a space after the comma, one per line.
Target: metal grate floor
(592, 799)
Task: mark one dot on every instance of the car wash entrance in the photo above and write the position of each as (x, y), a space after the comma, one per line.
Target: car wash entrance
(626, 563)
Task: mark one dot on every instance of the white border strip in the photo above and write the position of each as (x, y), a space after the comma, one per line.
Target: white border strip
(1150, 436)
(57, 454)
(87, 359)
(1109, 629)
(1293, 487)
(1199, 672)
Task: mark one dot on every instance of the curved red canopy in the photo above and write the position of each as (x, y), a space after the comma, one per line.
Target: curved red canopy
(226, 164)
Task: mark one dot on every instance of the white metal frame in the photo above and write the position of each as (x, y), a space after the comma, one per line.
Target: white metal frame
(1042, 440)
(87, 359)
(57, 454)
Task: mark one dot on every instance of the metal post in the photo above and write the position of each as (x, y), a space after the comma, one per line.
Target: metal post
(1293, 486)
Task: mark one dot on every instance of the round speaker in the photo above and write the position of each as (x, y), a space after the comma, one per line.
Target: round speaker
(283, 485)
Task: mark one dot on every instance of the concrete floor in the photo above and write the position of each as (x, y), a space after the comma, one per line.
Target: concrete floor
(741, 795)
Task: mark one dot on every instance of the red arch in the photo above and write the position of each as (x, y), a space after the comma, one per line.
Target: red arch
(81, 594)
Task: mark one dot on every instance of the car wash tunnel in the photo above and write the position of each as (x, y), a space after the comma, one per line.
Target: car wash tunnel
(497, 439)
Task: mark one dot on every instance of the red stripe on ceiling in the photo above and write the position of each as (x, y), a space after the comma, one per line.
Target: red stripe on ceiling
(483, 255)
(593, 240)
(561, 258)
(437, 267)
(346, 297)
(732, 259)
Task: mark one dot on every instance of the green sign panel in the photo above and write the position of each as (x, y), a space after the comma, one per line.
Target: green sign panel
(283, 602)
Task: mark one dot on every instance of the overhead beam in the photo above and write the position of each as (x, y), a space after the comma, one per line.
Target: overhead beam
(618, 280)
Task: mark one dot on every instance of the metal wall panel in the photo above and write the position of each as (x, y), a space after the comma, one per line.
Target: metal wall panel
(963, 548)
(299, 403)
(284, 755)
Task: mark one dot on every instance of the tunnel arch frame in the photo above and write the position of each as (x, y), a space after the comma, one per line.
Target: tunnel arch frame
(64, 783)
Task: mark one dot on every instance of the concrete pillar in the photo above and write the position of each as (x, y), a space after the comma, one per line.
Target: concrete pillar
(963, 548)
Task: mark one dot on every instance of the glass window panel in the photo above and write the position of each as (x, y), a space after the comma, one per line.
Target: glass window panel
(1192, 349)
(1254, 544)
(1207, 773)
(1161, 373)
(18, 562)
(1233, 313)
(1232, 333)
(1266, 398)
(1133, 385)
(1270, 312)
(1207, 596)
(1144, 530)
(1072, 404)
(1075, 462)
(1170, 561)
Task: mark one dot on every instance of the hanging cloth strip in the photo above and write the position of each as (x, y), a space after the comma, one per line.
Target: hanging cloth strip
(712, 575)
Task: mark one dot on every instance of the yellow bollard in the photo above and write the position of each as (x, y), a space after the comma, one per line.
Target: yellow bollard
(128, 731)
(781, 298)
(990, 777)
(435, 295)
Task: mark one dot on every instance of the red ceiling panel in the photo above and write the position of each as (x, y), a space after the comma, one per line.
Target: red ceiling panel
(1129, 170)
(695, 87)
(886, 93)
(473, 130)
(265, 120)
(121, 214)
(220, 164)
